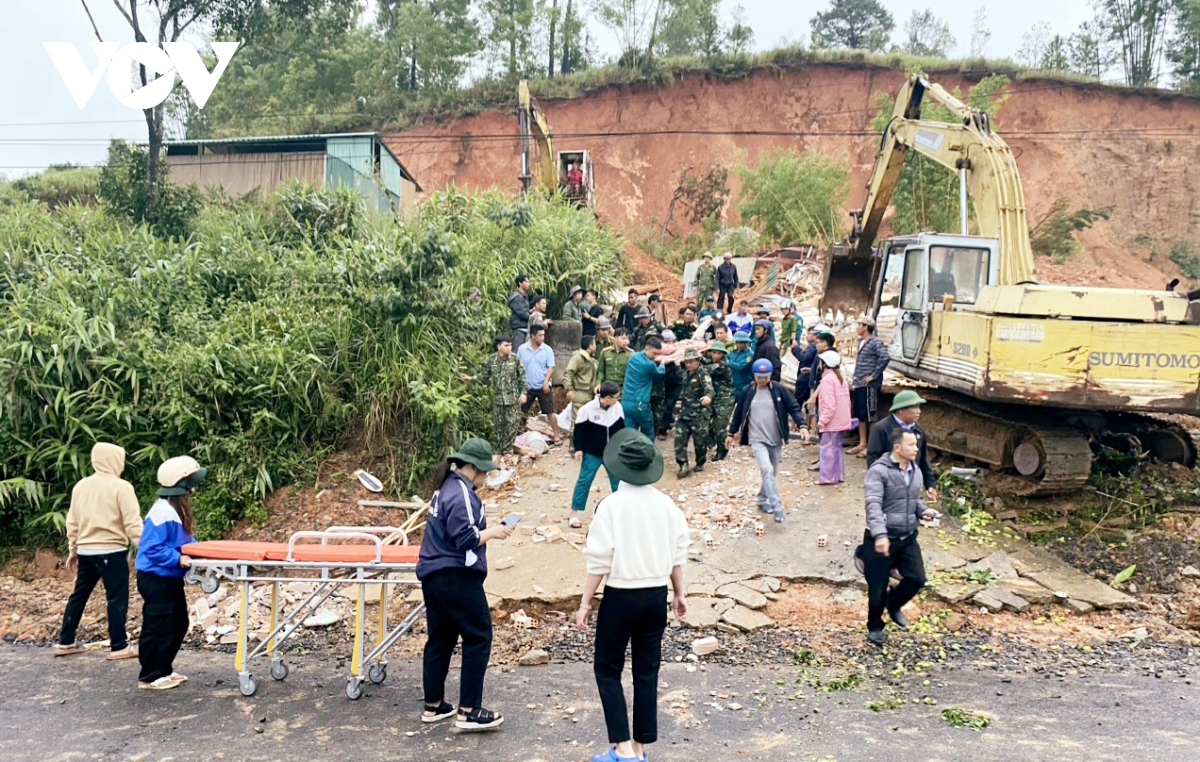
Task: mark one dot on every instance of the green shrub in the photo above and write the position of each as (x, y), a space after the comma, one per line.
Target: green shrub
(1054, 235)
(170, 211)
(60, 185)
(742, 241)
(256, 350)
(794, 198)
(1185, 255)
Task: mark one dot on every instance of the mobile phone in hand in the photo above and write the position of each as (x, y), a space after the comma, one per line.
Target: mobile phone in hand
(512, 519)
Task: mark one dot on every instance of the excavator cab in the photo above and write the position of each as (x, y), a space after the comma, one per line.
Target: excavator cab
(930, 273)
(575, 178)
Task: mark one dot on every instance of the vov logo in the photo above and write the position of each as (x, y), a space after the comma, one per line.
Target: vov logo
(172, 58)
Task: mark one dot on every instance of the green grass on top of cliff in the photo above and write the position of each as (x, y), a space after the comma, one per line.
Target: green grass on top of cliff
(500, 92)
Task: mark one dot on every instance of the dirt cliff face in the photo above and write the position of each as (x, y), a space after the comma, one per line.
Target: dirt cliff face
(1135, 151)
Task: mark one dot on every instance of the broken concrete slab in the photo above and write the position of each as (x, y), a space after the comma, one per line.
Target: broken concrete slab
(997, 563)
(1028, 589)
(751, 599)
(936, 558)
(747, 620)
(1081, 587)
(988, 601)
(703, 613)
(997, 598)
(763, 585)
(1079, 607)
(954, 592)
(504, 563)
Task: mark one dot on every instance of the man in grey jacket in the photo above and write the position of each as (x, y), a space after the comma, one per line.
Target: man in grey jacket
(894, 513)
(872, 360)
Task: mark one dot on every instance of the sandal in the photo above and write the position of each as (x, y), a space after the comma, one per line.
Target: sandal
(575, 523)
(68, 650)
(437, 714)
(478, 719)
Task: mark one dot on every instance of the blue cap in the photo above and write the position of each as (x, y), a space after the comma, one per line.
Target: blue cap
(741, 336)
(762, 367)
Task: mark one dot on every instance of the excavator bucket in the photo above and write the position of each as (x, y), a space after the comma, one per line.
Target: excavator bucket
(848, 281)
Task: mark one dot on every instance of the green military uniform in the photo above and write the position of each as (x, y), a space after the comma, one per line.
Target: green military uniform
(683, 331)
(572, 311)
(791, 328)
(637, 340)
(612, 366)
(580, 379)
(507, 377)
(706, 281)
(695, 419)
(724, 397)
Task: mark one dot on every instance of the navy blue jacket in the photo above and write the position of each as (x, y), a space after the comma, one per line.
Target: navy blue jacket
(452, 530)
(807, 357)
(785, 406)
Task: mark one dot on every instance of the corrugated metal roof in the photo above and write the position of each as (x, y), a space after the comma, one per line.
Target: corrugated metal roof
(251, 139)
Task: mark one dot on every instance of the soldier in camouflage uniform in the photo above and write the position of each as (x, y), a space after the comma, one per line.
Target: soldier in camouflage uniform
(706, 279)
(506, 375)
(723, 397)
(695, 414)
(685, 327)
(645, 328)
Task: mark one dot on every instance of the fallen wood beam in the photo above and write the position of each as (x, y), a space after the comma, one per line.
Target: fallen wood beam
(407, 505)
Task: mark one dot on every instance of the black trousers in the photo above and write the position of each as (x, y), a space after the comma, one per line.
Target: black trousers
(164, 624)
(635, 618)
(725, 293)
(904, 555)
(668, 407)
(456, 607)
(113, 569)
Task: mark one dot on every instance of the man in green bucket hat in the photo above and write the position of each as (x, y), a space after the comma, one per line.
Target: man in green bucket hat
(905, 412)
(723, 396)
(637, 545)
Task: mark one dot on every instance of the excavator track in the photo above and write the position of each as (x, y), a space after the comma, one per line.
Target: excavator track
(1169, 438)
(1047, 451)
(1035, 453)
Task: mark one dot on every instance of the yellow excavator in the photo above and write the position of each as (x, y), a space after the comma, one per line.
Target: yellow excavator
(1026, 378)
(568, 172)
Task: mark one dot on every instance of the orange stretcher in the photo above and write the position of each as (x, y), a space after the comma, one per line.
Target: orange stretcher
(343, 556)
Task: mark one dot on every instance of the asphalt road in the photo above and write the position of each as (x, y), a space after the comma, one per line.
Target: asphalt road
(86, 708)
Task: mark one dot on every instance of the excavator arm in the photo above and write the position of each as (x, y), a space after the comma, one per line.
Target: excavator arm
(970, 148)
(536, 165)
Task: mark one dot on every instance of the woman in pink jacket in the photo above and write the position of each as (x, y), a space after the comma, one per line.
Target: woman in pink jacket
(834, 418)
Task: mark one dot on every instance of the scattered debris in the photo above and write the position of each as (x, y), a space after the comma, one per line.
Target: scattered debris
(535, 657)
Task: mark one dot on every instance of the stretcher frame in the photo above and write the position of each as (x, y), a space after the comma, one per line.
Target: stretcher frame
(328, 577)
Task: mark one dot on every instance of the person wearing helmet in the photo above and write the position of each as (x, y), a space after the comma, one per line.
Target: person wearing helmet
(709, 307)
(452, 567)
(646, 328)
(695, 413)
(834, 418)
(765, 348)
(791, 330)
(760, 419)
(723, 396)
(161, 566)
(740, 360)
(706, 282)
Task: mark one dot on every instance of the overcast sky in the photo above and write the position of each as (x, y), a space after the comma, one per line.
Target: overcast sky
(40, 123)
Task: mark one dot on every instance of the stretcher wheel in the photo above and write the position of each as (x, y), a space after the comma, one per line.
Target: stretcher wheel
(279, 670)
(247, 685)
(377, 673)
(354, 688)
(210, 584)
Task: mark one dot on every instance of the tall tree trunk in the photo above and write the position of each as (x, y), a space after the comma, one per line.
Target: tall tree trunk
(567, 65)
(412, 67)
(154, 130)
(654, 30)
(553, 22)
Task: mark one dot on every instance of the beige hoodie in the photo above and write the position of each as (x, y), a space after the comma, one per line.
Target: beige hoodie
(104, 516)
